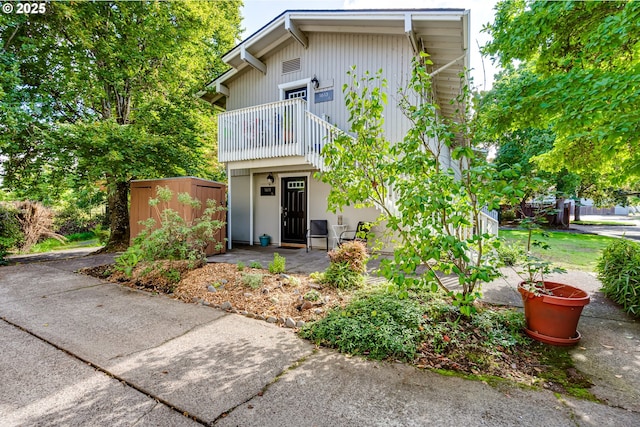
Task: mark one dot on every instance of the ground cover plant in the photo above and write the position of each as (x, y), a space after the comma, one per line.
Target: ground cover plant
(427, 331)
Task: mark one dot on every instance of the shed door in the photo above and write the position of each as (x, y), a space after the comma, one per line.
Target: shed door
(294, 205)
(204, 193)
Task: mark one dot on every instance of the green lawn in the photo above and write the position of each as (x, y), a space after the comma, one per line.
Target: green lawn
(55, 245)
(572, 251)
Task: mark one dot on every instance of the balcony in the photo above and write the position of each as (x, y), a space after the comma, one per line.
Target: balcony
(278, 129)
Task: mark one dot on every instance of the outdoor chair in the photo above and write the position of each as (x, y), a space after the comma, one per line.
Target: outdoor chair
(359, 234)
(319, 228)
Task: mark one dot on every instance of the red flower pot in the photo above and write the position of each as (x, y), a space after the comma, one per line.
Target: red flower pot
(553, 319)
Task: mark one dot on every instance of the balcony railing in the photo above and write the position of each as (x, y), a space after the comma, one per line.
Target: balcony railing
(278, 129)
(263, 131)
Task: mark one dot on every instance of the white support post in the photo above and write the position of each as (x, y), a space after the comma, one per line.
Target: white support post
(251, 209)
(229, 207)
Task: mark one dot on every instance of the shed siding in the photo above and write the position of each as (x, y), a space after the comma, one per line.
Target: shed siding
(329, 57)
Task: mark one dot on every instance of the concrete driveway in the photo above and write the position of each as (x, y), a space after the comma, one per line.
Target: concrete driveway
(79, 351)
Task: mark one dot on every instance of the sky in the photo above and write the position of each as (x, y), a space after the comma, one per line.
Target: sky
(257, 13)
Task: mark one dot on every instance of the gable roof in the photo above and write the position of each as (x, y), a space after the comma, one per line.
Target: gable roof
(443, 33)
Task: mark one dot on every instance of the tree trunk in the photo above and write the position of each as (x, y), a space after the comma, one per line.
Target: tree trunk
(559, 218)
(576, 211)
(119, 218)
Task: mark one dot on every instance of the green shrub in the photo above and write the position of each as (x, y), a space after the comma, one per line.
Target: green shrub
(255, 264)
(508, 215)
(312, 295)
(173, 275)
(317, 277)
(10, 232)
(240, 266)
(278, 264)
(73, 220)
(511, 254)
(175, 238)
(347, 266)
(619, 271)
(377, 324)
(341, 276)
(101, 233)
(128, 260)
(252, 280)
(353, 253)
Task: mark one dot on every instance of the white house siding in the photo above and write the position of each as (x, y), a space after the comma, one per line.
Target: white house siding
(318, 194)
(239, 208)
(329, 57)
(266, 209)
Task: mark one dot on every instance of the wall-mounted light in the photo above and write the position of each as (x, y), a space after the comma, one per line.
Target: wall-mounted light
(316, 82)
(270, 179)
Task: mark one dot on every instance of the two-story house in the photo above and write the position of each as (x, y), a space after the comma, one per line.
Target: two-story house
(283, 97)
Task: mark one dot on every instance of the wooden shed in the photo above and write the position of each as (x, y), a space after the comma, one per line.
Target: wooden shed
(201, 189)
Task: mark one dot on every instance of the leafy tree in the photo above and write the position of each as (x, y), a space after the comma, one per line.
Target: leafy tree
(577, 70)
(104, 92)
(521, 147)
(431, 186)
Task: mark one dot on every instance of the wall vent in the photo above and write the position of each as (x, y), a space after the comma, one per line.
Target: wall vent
(240, 172)
(290, 66)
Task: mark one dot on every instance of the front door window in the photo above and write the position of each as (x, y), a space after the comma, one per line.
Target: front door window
(300, 92)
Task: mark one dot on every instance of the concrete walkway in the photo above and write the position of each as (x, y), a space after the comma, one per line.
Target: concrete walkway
(79, 351)
(630, 231)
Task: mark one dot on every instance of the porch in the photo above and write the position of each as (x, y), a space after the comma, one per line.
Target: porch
(274, 130)
(298, 260)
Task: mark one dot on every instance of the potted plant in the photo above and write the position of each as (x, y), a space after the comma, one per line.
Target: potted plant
(265, 239)
(551, 309)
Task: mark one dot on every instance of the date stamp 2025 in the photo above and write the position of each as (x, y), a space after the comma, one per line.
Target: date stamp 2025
(25, 8)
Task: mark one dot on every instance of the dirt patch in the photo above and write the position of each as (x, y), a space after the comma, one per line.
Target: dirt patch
(252, 292)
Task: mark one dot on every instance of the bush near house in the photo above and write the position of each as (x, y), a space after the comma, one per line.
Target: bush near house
(278, 264)
(348, 263)
(619, 271)
(10, 233)
(174, 240)
(36, 223)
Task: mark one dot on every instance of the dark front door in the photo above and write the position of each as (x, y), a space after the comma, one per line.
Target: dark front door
(294, 205)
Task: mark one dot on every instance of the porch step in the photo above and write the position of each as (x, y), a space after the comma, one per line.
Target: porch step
(293, 245)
